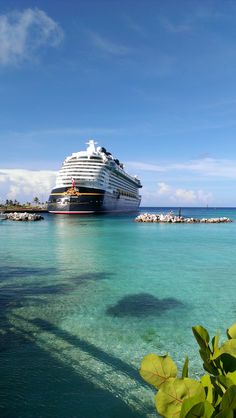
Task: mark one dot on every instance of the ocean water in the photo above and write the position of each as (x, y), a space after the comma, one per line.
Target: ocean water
(83, 299)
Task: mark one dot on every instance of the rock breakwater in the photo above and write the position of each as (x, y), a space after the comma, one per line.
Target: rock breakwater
(171, 218)
(25, 216)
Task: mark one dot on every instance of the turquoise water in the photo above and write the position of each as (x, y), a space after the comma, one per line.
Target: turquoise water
(83, 299)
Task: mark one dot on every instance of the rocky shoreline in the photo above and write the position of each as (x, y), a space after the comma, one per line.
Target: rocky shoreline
(171, 218)
(25, 216)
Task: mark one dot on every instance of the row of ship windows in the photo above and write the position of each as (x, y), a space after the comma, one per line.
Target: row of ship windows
(88, 175)
(82, 165)
(94, 167)
(74, 173)
(85, 158)
(81, 178)
(99, 181)
(84, 183)
(89, 164)
(124, 184)
(83, 175)
(131, 193)
(85, 167)
(79, 171)
(72, 200)
(75, 200)
(124, 193)
(124, 176)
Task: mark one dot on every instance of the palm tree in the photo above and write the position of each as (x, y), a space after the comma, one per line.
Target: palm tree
(36, 200)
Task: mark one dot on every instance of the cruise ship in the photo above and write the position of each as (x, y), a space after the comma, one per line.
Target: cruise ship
(92, 181)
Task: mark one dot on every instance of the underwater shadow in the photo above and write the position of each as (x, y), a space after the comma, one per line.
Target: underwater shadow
(142, 305)
(42, 386)
(8, 272)
(89, 348)
(16, 294)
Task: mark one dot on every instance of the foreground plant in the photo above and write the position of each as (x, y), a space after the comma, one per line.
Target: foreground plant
(214, 395)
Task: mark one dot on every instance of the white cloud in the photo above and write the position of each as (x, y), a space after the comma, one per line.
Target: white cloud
(167, 195)
(21, 33)
(183, 196)
(23, 184)
(192, 196)
(163, 188)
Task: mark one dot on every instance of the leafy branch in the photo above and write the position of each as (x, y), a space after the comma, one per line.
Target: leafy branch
(214, 395)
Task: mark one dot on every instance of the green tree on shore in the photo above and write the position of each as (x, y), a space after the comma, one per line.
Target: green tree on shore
(36, 200)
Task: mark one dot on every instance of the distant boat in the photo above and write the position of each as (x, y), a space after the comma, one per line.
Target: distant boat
(92, 181)
(3, 216)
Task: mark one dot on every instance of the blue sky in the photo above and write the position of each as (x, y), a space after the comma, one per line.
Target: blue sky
(152, 81)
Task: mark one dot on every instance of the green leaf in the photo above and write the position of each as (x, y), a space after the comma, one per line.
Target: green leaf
(231, 332)
(185, 368)
(226, 413)
(201, 409)
(205, 354)
(208, 364)
(229, 347)
(207, 384)
(232, 377)
(201, 336)
(172, 394)
(210, 369)
(218, 391)
(226, 356)
(229, 398)
(157, 369)
(228, 362)
(215, 343)
(213, 389)
(225, 381)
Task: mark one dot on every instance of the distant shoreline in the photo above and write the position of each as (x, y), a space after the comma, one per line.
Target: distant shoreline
(41, 210)
(28, 210)
(189, 207)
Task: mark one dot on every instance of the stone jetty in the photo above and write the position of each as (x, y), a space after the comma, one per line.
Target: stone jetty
(25, 216)
(171, 218)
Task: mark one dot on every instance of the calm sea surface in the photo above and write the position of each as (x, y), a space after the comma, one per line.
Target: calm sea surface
(83, 299)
